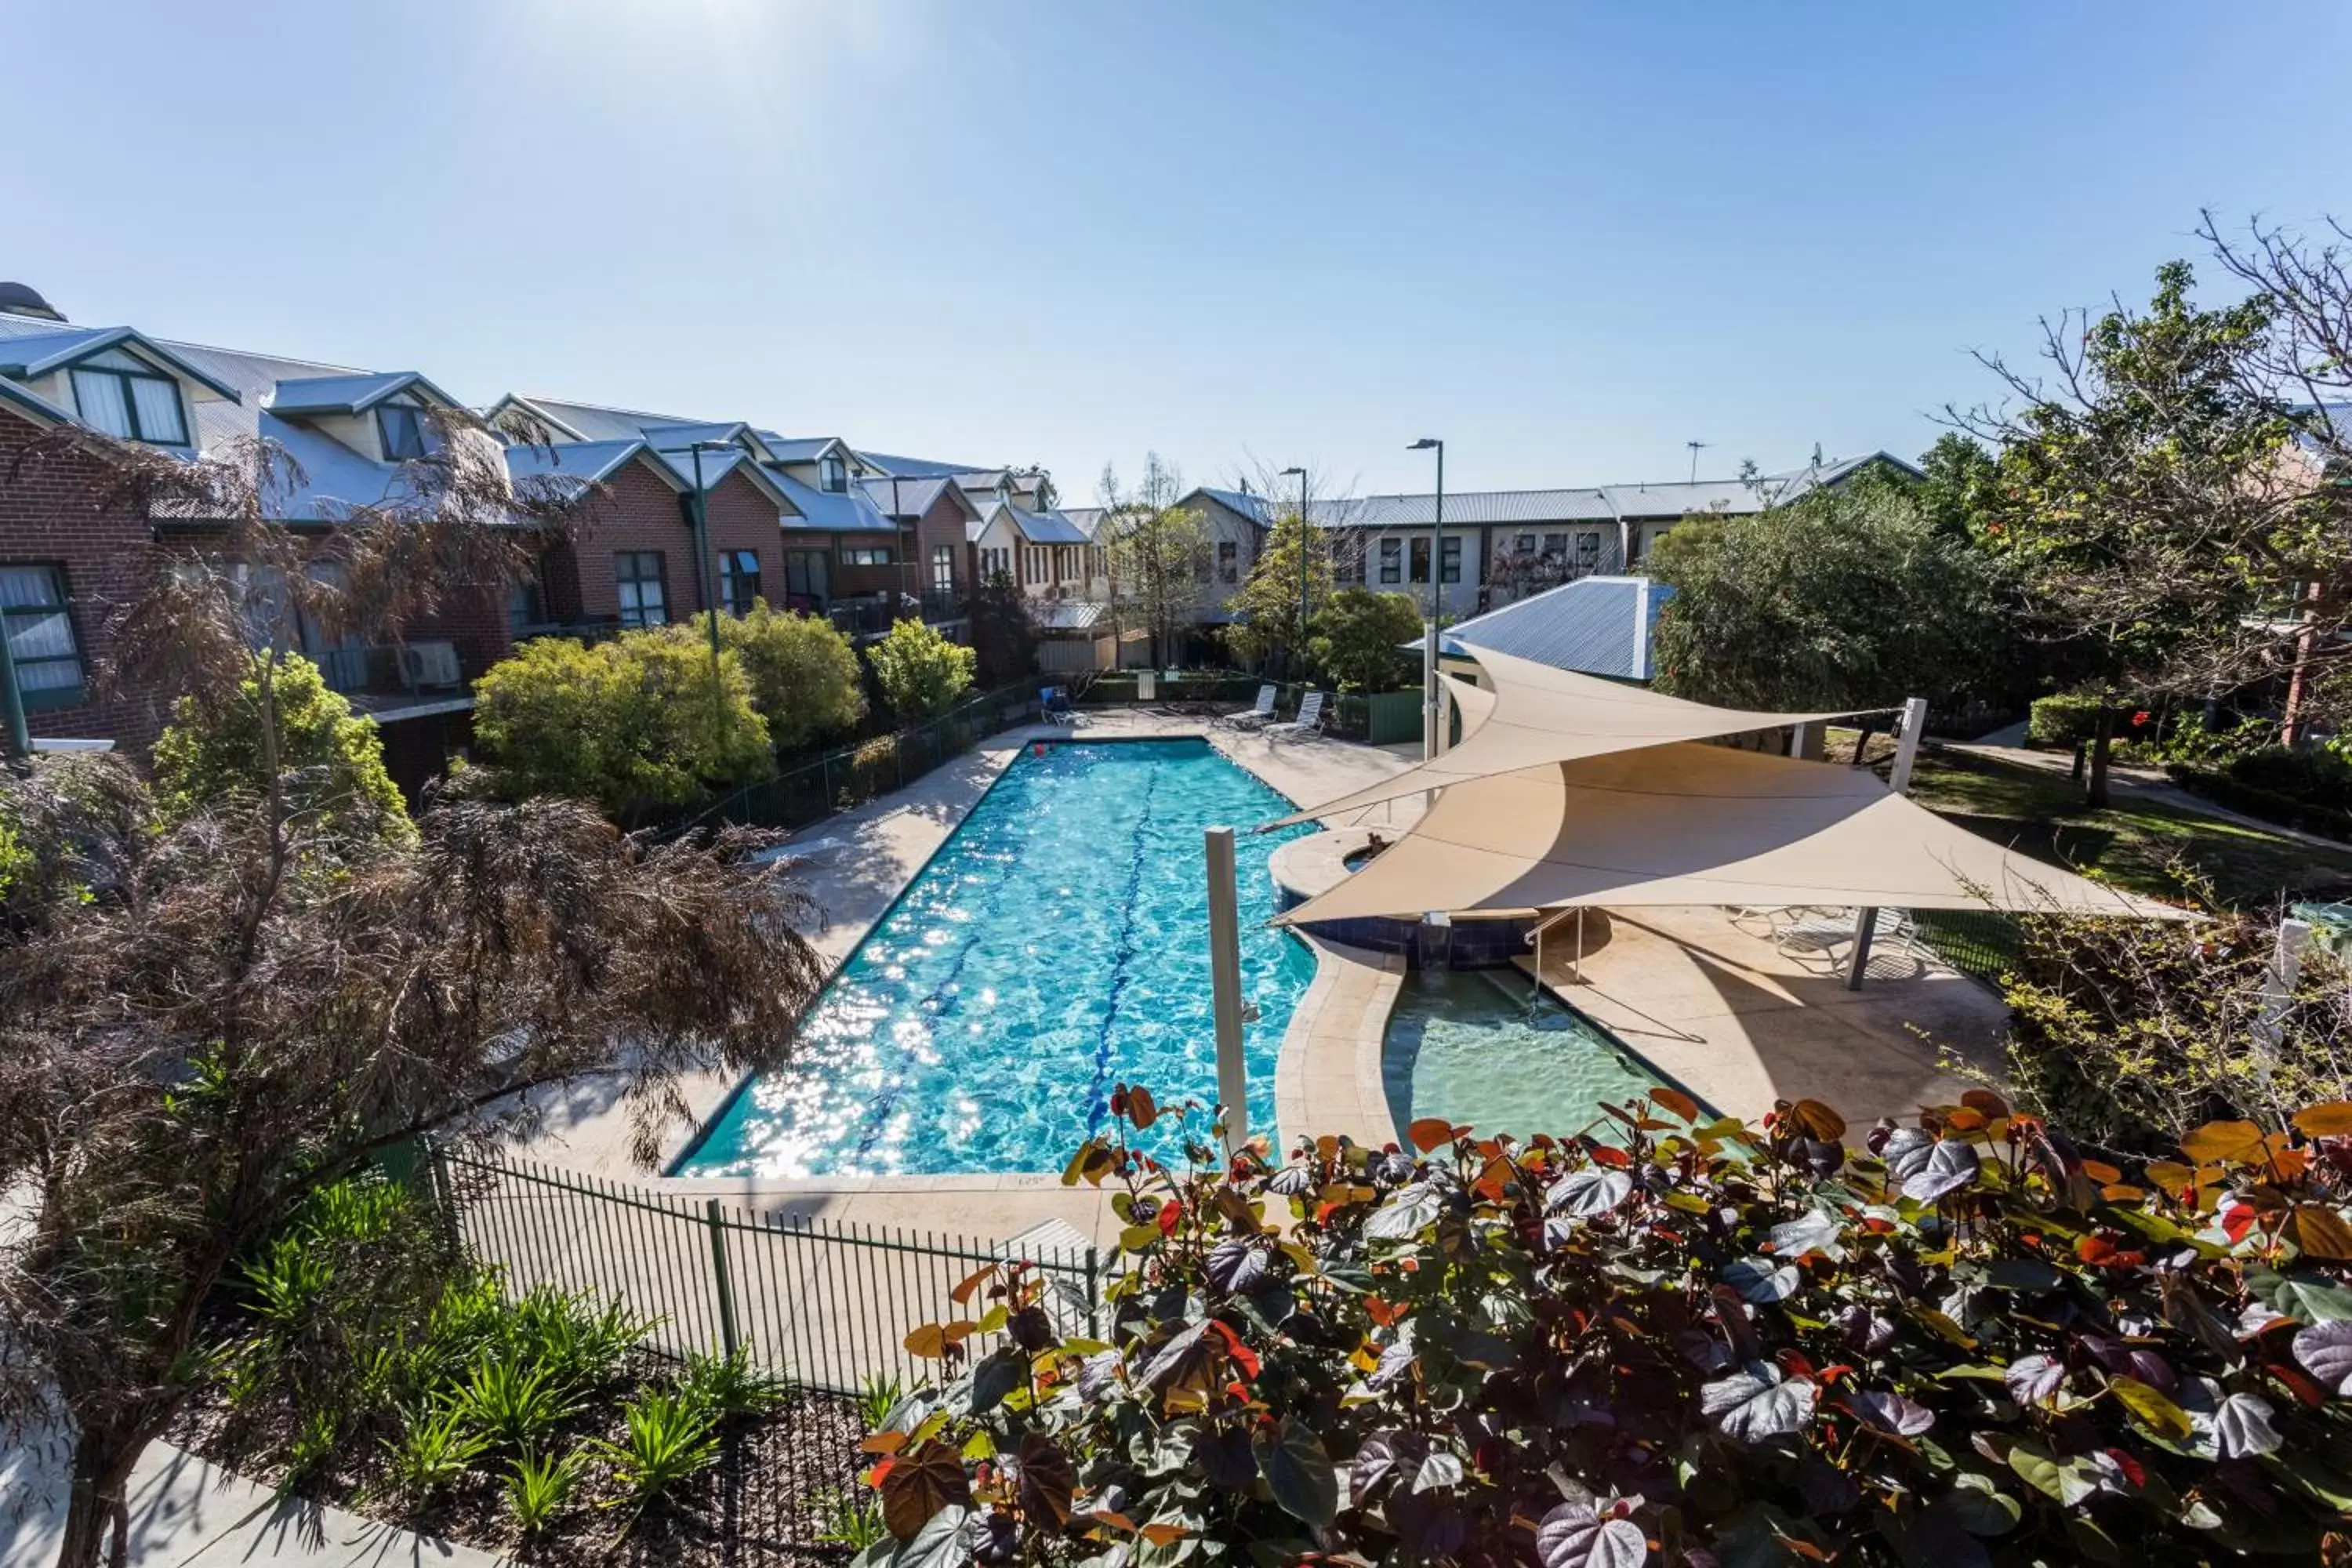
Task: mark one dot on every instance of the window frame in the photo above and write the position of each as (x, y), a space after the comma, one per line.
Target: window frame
(1417, 559)
(416, 413)
(832, 475)
(1449, 559)
(1392, 563)
(942, 568)
(735, 567)
(867, 555)
(124, 378)
(1229, 562)
(634, 616)
(60, 607)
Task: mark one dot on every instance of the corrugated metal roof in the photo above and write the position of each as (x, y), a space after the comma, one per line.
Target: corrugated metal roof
(679, 436)
(905, 498)
(347, 394)
(798, 449)
(594, 422)
(26, 355)
(1600, 626)
(917, 467)
(831, 510)
(1066, 616)
(1047, 528)
(1087, 520)
(590, 462)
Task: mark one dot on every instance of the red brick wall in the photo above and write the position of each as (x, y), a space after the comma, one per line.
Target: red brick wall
(49, 516)
(743, 517)
(640, 512)
(943, 524)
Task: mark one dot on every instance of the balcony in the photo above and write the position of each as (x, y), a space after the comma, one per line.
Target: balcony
(588, 632)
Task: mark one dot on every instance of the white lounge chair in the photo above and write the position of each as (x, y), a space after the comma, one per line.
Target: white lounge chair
(1309, 722)
(1827, 933)
(1251, 718)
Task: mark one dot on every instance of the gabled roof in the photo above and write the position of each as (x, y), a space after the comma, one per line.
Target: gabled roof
(33, 407)
(590, 421)
(921, 468)
(586, 462)
(717, 466)
(838, 511)
(1087, 520)
(349, 393)
(1046, 526)
(678, 435)
(802, 449)
(26, 355)
(906, 499)
(1599, 626)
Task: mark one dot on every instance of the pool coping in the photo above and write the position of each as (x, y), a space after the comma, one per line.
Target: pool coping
(997, 755)
(1332, 1054)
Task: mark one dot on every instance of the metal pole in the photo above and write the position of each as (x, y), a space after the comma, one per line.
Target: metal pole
(12, 700)
(710, 593)
(2278, 994)
(1225, 986)
(1299, 653)
(1898, 779)
(1431, 713)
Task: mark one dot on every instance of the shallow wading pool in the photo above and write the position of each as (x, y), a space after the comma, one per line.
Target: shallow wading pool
(1056, 946)
(1480, 1046)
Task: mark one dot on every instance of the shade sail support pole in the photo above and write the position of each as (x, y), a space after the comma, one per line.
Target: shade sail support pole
(1225, 987)
(1898, 779)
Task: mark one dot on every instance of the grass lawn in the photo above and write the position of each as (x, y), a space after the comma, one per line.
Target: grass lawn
(2139, 845)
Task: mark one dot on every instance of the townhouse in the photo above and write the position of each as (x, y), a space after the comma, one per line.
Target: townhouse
(1502, 545)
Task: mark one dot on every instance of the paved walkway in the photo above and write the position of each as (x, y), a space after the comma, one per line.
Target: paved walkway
(187, 1513)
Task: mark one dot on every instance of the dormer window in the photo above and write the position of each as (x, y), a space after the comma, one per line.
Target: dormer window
(131, 400)
(401, 427)
(832, 474)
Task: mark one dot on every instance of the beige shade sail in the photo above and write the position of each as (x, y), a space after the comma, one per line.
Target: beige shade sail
(1538, 714)
(1693, 824)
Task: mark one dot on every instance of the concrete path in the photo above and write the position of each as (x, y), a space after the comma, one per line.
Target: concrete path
(187, 1514)
(2125, 782)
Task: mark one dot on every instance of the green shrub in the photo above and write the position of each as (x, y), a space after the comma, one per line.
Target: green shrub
(634, 723)
(2310, 775)
(732, 1385)
(581, 1344)
(518, 1404)
(540, 1488)
(330, 760)
(1965, 1343)
(920, 671)
(672, 1438)
(2220, 788)
(2065, 720)
(803, 673)
(1357, 639)
(433, 1450)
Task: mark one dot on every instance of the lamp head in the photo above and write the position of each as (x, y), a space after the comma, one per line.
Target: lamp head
(1424, 444)
(1291, 474)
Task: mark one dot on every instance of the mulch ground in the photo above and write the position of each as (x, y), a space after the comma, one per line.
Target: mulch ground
(765, 1502)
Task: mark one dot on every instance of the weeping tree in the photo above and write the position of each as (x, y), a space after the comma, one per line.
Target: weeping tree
(207, 1012)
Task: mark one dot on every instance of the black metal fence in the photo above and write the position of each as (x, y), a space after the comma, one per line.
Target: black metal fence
(827, 1303)
(1980, 943)
(849, 777)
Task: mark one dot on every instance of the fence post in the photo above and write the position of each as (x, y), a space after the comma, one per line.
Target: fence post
(1094, 1296)
(445, 1202)
(726, 1339)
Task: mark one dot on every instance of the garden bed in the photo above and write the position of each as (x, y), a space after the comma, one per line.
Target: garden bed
(770, 1497)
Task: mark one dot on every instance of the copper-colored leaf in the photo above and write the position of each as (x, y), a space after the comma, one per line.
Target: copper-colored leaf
(2223, 1142)
(920, 1484)
(929, 1341)
(1675, 1100)
(2321, 1231)
(1985, 1100)
(1142, 1109)
(2333, 1120)
(971, 1282)
(1818, 1120)
(1431, 1132)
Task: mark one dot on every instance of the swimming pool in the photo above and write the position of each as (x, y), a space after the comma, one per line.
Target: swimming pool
(1056, 946)
(1479, 1046)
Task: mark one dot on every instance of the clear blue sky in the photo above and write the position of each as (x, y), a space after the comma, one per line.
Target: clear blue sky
(1567, 238)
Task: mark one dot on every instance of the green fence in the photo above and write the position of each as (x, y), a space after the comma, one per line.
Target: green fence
(1979, 943)
(827, 1303)
(849, 777)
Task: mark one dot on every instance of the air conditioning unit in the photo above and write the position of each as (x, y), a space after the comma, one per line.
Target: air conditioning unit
(430, 664)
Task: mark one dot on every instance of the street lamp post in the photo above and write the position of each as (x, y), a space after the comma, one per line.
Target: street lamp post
(1297, 654)
(707, 575)
(1432, 709)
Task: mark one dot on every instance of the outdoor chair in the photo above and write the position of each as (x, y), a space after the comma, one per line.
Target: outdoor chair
(1827, 934)
(1251, 718)
(1309, 722)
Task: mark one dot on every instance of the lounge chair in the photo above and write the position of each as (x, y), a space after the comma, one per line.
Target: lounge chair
(1828, 933)
(1309, 722)
(1251, 718)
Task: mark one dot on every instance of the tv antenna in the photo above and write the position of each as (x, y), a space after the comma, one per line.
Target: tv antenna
(1695, 446)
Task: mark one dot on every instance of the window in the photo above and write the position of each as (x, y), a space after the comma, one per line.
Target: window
(1229, 560)
(739, 580)
(1555, 547)
(805, 574)
(1392, 561)
(1449, 559)
(1588, 551)
(524, 607)
(993, 561)
(126, 398)
(832, 475)
(637, 577)
(867, 555)
(942, 568)
(39, 628)
(1527, 545)
(1420, 553)
(401, 426)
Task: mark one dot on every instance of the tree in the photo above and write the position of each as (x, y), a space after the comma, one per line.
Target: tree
(630, 723)
(803, 673)
(920, 671)
(207, 1014)
(1001, 635)
(1961, 494)
(1358, 637)
(1845, 598)
(332, 761)
(1275, 606)
(1157, 554)
(2153, 501)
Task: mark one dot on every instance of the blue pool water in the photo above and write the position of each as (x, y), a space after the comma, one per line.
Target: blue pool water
(1479, 1047)
(1056, 946)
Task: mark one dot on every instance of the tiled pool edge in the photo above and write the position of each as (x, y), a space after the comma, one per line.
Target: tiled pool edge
(1326, 1079)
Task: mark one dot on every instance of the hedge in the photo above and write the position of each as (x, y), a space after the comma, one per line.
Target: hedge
(2268, 805)
(2063, 719)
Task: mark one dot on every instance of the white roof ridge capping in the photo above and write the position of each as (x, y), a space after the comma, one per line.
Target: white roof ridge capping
(1689, 823)
(1538, 714)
